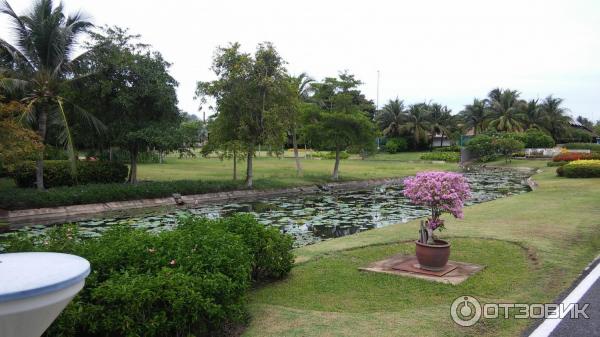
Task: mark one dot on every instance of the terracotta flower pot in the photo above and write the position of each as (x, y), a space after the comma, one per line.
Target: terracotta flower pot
(433, 257)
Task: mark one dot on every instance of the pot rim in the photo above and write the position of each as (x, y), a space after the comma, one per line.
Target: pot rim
(444, 244)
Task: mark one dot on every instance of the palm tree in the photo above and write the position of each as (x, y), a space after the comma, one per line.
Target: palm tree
(301, 87)
(440, 121)
(391, 117)
(475, 115)
(533, 115)
(556, 118)
(416, 122)
(38, 64)
(506, 109)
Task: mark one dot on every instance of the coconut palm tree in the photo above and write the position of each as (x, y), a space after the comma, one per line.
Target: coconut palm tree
(416, 122)
(555, 115)
(440, 121)
(38, 64)
(533, 115)
(301, 90)
(506, 110)
(391, 117)
(475, 115)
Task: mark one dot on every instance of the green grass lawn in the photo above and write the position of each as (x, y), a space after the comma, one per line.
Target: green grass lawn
(280, 172)
(175, 174)
(533, 246)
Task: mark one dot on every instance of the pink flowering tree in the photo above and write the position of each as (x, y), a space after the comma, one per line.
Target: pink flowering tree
(441, 192)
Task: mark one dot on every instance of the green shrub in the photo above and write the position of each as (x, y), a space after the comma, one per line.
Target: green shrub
(452, 157)
(573, 170)
(556, 163)
(482, 146)
(55, 153)
(583, 146)
(331, 155)
(58, 173)
(452, 148)
(271, 249)
(191, 281)
(395, 145)
(23, 198)
(535, 139)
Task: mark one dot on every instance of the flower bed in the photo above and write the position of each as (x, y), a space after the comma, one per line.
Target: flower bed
(580, 169)
(571, 156)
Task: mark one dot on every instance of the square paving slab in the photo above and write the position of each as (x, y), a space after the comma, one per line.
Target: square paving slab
(455, 272)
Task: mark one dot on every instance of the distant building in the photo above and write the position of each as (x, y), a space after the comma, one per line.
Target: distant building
(441, 140)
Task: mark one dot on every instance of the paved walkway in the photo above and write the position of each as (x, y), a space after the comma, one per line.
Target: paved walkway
(587, 290)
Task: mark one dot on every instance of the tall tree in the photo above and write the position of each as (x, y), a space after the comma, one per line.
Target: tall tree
(17, 142)
(556, 118)
(585, 122)
(506, 110)
(475, 115)
(440, 121)
(300, 88)
(533, 115)
(39, 64)
(338, 121)
(391, 117)
(250, 94)
(417, 123)
(133, 91)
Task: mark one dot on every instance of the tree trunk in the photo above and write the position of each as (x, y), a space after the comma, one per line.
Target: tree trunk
(442, 140)
(234, 164)
(110, 153)
(249, 171)
(133, 169)
(39, 164)
(295, 145)
(336, 167)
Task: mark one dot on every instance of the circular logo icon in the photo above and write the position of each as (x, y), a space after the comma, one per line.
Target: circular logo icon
(465, 310)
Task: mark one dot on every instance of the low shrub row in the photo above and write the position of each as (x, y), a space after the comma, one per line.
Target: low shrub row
(580, 169)
(583, 146)
(59, 173)
(452, 157)
(190, 281)
(453, 148)
(556, 163)
(330, 155)
(22, 198)
(571, 156)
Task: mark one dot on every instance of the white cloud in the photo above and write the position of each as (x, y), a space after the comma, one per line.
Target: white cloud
(448, 51)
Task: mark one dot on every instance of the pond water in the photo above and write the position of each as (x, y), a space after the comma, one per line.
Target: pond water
(329, 214)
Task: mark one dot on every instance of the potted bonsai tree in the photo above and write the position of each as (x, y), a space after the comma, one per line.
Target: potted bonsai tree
(441, 192)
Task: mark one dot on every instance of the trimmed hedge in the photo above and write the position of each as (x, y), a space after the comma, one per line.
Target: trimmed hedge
(453, 148)
(580, 169)
(191, 281)
(331, 155)
(583, 146)
(452, 157)
(556, 163)
(23, 198)
(58, 173)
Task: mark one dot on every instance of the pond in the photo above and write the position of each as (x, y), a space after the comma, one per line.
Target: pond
(329, 214)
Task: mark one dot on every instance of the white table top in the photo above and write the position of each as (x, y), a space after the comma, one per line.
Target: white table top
(25, 275)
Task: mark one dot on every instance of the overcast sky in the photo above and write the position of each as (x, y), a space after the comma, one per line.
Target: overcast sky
(446, 51)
